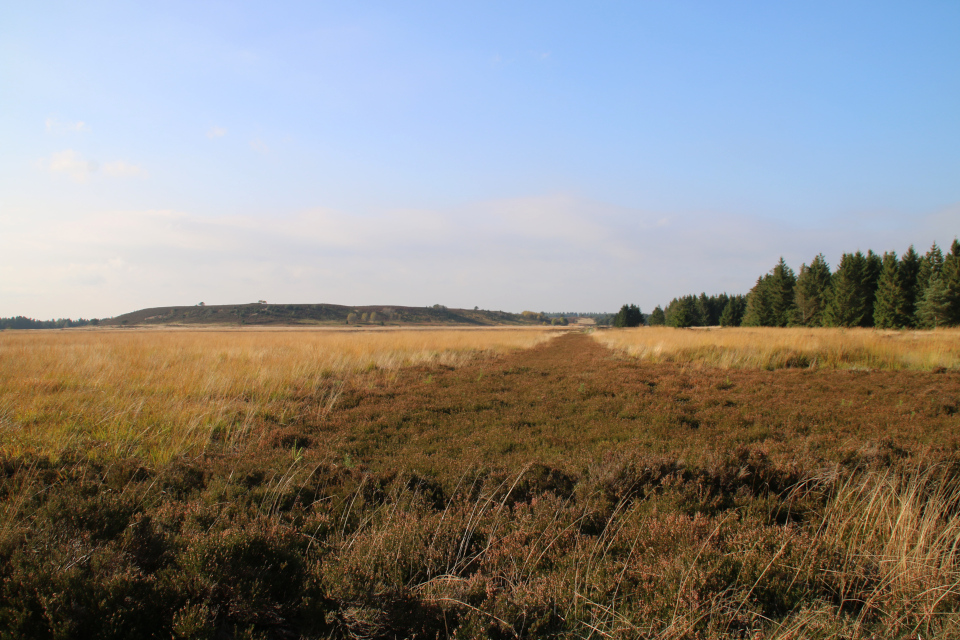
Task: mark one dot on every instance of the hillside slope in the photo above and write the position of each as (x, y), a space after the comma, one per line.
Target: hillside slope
(322, 314)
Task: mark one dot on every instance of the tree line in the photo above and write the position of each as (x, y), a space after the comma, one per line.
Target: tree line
(22, 322)
(700, 311)
(865, 290)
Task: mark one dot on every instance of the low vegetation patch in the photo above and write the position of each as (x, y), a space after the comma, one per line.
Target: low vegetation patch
(554, 491)
(764, 348)
(162, 394)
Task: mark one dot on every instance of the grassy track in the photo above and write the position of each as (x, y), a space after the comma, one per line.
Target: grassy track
(559, 490)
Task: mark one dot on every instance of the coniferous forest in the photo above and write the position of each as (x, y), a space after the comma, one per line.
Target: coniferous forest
(864, 290)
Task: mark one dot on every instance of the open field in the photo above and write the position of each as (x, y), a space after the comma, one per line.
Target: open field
(829, 348)
(159, 394)
(283, 485)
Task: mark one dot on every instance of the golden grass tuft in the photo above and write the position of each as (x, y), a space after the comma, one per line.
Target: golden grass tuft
(775, 348)
(160, 394)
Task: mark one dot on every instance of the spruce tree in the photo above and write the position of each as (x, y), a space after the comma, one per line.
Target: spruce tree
(847, 306)
(732, 314)
(780, 287)
(909, 270)
(889, 308)
(758, 310)
(934, 310)
(657, 318)
(704, 311)
(951, 280)
(930, 265)
(812, 293)
(682, 315)
(628, 316)
(873, 265)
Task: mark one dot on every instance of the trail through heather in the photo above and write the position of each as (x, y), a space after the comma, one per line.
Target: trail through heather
(571, 399)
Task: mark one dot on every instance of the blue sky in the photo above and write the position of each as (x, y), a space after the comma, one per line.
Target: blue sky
(546, 156)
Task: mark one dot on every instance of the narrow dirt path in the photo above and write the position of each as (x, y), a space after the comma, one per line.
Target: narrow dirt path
(572, 401)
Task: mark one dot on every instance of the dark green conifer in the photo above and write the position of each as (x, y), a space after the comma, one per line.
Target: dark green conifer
(873, 265)
(732, 314)
(889, 308)
(780, 287)
(628, 316)
(812, 292)
(704, 312)
(683, 312)
(934, 310)
(930, 265)
(951, 280)
(657, 318)
(847, 306)
(758, 310)
(909, 271)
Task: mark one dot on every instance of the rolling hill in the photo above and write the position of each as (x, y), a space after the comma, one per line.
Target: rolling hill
(320, 314)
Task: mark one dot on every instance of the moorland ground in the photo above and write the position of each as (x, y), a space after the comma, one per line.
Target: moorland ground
(539, 486)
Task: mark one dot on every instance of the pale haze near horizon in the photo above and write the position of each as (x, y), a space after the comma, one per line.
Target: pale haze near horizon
(543, 156)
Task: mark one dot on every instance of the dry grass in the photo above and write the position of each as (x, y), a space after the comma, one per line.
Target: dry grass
(551, 492)
(160, 394)
(772, 348)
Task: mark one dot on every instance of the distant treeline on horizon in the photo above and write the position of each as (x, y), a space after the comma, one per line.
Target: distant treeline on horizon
(886, 292)
(865, 290)
(21, 322)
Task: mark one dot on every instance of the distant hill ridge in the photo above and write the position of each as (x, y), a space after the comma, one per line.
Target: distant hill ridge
(321, 314)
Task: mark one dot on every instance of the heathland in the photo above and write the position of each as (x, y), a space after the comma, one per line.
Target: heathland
(648, 483)
(261, 313)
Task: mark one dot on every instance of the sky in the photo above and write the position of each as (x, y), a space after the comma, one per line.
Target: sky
(550, 156)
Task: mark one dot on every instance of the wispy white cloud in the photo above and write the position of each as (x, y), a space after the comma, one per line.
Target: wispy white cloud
(121, 169)
(58, 126)
(79, 169)
(550, 252)
(216, 132)
(259, 146)
(71, 163)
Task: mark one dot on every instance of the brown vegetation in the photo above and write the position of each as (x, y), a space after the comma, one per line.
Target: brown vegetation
(813, 348)
(556, 491)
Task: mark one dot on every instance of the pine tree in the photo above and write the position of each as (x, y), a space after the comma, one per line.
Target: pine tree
(889, 309)
(812, 293)
(951, 280)
(847, 306)
(656, 318)
(934, 310)
(682, 315)
(628, 316)
(758, 311)
(909, 269)
(704, 311)
(732, 314)
(930, 265)
(780, 286)
(873, 265)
